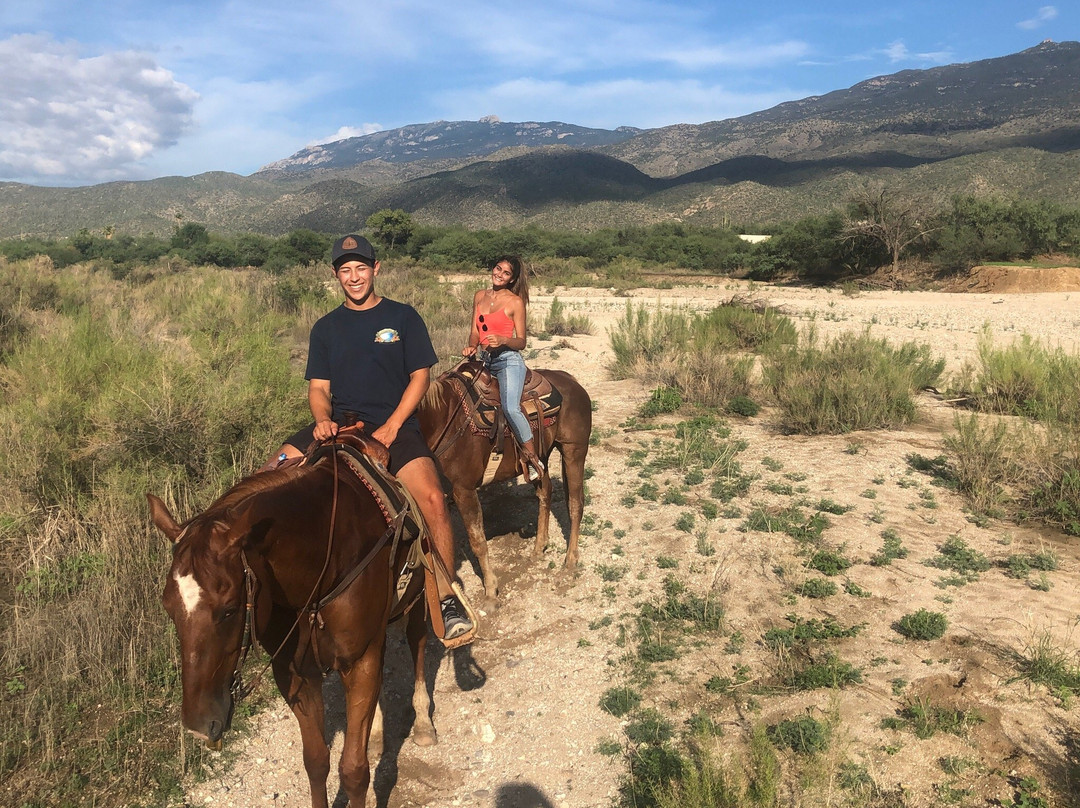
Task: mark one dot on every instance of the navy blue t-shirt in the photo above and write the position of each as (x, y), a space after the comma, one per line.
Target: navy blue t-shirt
(367, 357)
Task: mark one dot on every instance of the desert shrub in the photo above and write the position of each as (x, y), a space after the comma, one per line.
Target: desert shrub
(662, 400)
(802, 632)
(1024, 378)
(804, 735)
(830, 672)
(618, 701)
(922, 625)
(828, 562)
(852, 382)
(559, 323)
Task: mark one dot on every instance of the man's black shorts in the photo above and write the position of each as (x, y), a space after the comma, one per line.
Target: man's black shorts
(408, 445)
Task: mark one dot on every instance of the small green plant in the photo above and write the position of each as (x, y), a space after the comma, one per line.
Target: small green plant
(955, 555)
(666, 562)
(828, 562)
(830, 672)
(743, 405)
(649, 491)
(610, 572)
(805, 735)
(694, 477)
(816, 588)
(922, 625)
(618, 701)
(685, 522)
(926, 719)
(892, 548)
(772, 464)
(673, 496)
(802, 632)
(704, 546)
(609, 747)
(1025, 794)
(663, 400)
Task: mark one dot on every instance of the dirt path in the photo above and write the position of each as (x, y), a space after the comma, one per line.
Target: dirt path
(517, 712)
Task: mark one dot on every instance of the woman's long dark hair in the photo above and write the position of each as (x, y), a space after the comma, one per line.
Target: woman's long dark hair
(519, 285)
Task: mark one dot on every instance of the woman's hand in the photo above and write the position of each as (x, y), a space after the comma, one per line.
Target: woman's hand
(494, 340)
(468, 350)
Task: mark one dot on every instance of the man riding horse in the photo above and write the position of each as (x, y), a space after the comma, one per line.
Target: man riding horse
(370, 360)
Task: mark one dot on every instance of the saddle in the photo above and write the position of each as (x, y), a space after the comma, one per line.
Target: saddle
(539, 400)
(368, 459)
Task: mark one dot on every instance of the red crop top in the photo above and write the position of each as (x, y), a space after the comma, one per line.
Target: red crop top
(494, 323)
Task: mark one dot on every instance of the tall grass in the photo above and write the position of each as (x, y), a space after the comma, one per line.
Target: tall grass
(707, 358)
(173, 383)
(852, 382)
(1025, 377)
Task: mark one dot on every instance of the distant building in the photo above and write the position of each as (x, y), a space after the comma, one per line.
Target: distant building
(754, 239)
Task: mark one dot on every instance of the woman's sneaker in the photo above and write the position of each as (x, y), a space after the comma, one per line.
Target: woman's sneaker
(455, 623)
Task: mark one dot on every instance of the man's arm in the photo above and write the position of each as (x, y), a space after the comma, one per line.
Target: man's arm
(321, 408)
(410, 400)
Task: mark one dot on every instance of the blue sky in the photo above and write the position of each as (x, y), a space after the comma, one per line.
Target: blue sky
(96, 91)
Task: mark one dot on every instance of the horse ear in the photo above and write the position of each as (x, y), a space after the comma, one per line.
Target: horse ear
(162, 519)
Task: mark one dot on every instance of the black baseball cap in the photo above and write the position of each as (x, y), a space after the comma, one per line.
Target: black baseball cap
(352, 248)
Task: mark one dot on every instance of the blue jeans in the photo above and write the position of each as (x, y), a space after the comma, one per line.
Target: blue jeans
(509, 370)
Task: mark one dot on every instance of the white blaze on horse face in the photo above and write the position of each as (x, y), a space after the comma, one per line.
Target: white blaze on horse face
(190, 591)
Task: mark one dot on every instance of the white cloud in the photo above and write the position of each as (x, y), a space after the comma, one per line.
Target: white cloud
(69, 118)
(898, 52)
(1044, 14)
(347, 132)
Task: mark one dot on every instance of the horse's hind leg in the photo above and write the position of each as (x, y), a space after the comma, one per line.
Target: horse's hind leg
(573, 469)
(469, 507)
(304, 697)
(423, 732)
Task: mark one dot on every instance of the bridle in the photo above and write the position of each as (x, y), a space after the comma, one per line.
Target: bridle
(237, 689)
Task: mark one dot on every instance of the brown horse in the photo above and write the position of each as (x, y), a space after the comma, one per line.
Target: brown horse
(273, 558)
(463, 452)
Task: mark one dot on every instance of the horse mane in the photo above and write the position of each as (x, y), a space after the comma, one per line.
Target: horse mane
(436, 393)
(251, 485)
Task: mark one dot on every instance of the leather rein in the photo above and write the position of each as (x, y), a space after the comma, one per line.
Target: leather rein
(237, 688)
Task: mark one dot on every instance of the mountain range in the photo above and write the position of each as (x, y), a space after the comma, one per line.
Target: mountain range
(1008, 126)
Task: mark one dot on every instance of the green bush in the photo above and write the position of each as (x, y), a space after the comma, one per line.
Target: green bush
(922, 625)
(852, 382)
(804, 735)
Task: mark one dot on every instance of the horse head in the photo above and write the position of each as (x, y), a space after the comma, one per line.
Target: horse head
(206, 597)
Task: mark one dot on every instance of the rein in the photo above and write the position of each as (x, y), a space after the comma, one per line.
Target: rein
(240, 691)
(437, 447)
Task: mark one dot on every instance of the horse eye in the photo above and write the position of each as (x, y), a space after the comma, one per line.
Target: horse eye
(227, 613)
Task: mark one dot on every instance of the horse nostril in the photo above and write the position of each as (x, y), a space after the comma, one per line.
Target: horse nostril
(216, 730)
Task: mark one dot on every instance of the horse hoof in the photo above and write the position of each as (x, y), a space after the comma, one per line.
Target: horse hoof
(570, 563)
(424, 737)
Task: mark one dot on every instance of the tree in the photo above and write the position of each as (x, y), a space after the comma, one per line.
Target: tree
(876, 214)
(390, 227)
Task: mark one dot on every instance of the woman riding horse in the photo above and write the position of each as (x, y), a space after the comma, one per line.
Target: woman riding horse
(498, 336)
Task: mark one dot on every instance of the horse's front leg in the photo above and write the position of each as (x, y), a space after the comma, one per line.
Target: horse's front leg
(423, 731)
(304, 696)
(363, 683)
(543, 515)
(468, 504)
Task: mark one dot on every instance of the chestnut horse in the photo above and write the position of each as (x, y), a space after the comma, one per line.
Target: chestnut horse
(272, 557)
(445, 418)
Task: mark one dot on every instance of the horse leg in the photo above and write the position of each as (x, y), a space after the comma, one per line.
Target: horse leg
(543, 515)
(416, 630)
(363, 683)
(303, 694)
(469, 507)
(573, 469)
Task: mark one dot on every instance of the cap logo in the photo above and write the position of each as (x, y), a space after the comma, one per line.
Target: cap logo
(349, 244)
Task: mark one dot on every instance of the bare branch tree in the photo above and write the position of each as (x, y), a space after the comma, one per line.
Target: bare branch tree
(895, 223)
